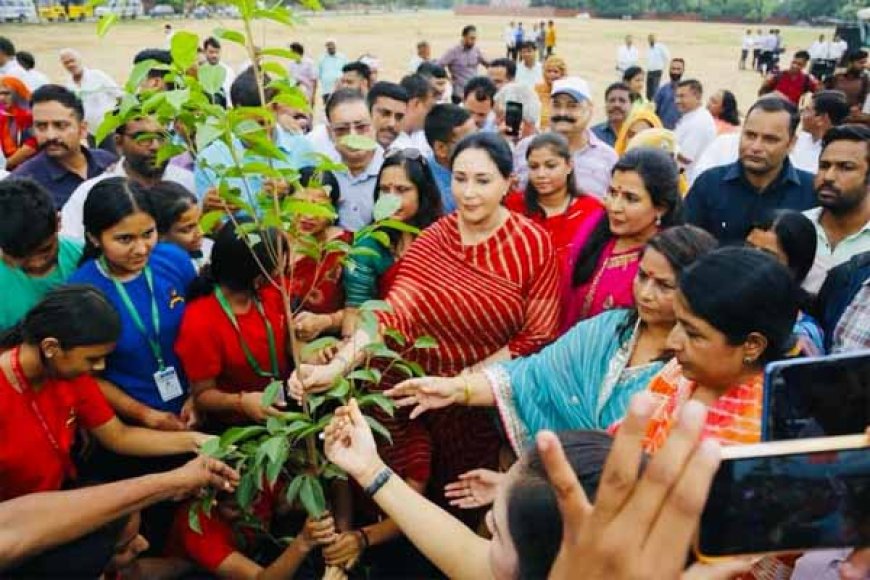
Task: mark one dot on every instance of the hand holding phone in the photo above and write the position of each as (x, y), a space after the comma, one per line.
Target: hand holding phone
(513, 118)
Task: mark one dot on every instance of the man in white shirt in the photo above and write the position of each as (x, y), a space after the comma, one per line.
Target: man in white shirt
(819, 49)
(8, 65)
(32, 77)
(304, 71)
(138, 142)
(696, 128)
(745, 47)
(421, 99)
(826, 109)
(424, 54)
(510, 35)
(529, 72)
(838, 49)
(212, 49)
(626, 56)
(97, 90)
(656, 61)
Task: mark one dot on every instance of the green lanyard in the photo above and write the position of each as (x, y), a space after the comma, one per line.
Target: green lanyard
(153, 341)
(270, 336)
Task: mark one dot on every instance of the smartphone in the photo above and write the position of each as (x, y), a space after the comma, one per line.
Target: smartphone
(816, 397)
(513, 117)
(788, 496)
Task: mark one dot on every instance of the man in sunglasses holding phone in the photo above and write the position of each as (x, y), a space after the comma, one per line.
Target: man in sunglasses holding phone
(138, 141)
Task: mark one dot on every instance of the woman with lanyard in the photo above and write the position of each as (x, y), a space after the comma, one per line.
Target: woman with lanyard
(233, 340)
(47, 393)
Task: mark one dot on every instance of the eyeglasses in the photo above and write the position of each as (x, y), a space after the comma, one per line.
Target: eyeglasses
(147, 137)
(357, 128)
(409, 154)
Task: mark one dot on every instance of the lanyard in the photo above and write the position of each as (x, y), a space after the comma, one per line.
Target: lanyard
(270, 336)
(27, 392)
(153, 341)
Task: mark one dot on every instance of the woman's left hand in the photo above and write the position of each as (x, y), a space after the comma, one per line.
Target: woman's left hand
(345, 551)
(309, 325)
(475, 488)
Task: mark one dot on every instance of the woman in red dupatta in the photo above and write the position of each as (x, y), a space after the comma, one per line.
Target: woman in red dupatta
(735, 310)
(483, 282)
(551, 199)
(16, 122)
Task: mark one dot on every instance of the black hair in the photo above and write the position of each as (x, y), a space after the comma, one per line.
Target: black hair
(417, 86)
(739, 291)
(466, 30)
(76, 315)
(428, 195)
(211, 42)
(27, 216)
(429, 69)
(778, 105)
(631, 72)
(110, 201)
(729, 114)
(386, 90)
(796, 236)
(236, 264)
(849, 132)
(507, 64)
(341, 97)
(528, 44)
(6, 46)
(308, 176)
(533, 516)
(618, 86)
(680, 60)
(833, 104)
(245, 92)
(360, 68)
(495, 147)
(442, 120)
(482, 88)
(156, 54)
(802, 54)
(169, 200)
(856, 55)
(559, 146)
(693, 84)
(58, 94)
(25, 59)
(297, 48)
(660, 176)
(680, 246)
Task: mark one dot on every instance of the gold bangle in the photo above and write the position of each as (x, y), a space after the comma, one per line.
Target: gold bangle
(466, 389)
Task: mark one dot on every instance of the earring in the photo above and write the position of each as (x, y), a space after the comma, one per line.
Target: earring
(658, 220)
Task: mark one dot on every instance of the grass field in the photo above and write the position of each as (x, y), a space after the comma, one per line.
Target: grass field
(589, 46)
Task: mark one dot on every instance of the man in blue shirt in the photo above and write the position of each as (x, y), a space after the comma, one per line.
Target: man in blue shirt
(726, 201)
(617, 102)
(666, 97)
(329, 69)
(62, 163)
(445, 126)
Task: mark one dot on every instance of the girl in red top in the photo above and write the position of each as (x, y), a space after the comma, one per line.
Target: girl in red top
(16, 122)
(47, 393)
(233, 340)
(551, 199)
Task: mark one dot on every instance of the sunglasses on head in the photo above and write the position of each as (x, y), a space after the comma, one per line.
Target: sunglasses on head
(409, 154)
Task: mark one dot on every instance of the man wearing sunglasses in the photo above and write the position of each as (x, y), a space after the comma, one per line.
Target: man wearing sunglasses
(138, 142)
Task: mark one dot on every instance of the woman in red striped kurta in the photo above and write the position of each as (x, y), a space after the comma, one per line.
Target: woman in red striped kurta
(483, 282)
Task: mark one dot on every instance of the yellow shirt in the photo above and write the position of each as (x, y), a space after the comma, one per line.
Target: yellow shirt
(550, 38)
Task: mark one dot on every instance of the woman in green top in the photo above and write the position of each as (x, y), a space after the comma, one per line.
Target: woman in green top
(405, 174)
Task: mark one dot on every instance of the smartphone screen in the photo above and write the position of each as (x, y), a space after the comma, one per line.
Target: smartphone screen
(788, 502)
(513, 117)
(819, 397)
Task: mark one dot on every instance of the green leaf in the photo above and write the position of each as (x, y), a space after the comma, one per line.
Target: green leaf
(340, 390)
(359, 142)
(379, 429)
(183, 48)
(167, 151)
(273, 68)
(212, 77)
(368, 323)
(274, 468)
(386, 206)
(105, 23)
(318, 344)
(376, 306)
(270, 395)
(235, 434)
(274, 425)
(193, 518)
(230, 35)
(211, 219)
(107, 126)
(293, 489)
(367, 375)
(311, 495)
(206, 134)
(295, 100)
(280, 52)
(364, 251)
(394, 224)
(138, 74)
(395, 335)
(277, 14)
(177, 98)
(211, 447)
(386, 404)
(307, 208)
(315, 401)
(247, 489)
(331, 471)
(425, 342)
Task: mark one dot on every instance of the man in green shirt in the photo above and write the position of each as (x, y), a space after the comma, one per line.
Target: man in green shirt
(34, 258)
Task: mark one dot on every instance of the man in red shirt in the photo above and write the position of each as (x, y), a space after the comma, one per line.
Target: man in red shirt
(793, 82)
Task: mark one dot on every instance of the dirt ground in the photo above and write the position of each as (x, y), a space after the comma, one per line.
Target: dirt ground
(589, 46)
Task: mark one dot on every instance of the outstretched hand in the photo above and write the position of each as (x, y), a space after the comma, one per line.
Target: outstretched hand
(350, 445)
(310, 379)
(475, 488)
(202, 472)
(426, 393)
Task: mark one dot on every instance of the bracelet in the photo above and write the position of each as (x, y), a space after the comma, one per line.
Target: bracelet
(379, 481)
(466, 390)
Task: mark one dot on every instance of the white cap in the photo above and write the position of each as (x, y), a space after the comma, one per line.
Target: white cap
(576, 87)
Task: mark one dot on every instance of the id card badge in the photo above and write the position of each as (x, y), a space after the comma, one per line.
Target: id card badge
(168, 384)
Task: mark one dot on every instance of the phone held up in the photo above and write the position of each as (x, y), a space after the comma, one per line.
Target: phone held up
(513, 118)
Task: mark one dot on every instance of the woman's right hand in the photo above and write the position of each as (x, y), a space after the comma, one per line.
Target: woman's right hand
(310, 379)
(252, 406)
(162, 421)
(475, 488)
(427, 393)
(349, 444)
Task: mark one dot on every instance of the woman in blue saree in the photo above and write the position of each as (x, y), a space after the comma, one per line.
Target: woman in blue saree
(585, 379)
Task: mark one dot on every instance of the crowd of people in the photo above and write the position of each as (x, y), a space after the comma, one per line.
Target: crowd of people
(623, 284)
